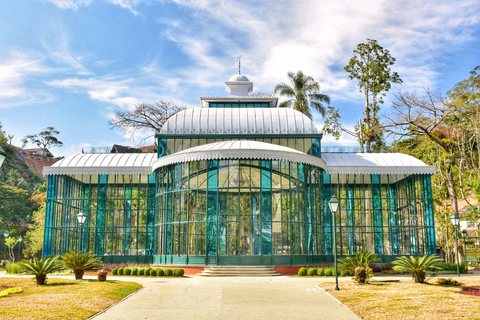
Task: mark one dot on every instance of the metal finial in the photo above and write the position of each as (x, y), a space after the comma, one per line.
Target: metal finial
(239, 64)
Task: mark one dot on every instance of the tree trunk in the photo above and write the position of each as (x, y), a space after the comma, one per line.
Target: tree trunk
(452, 191)
(78, 274)
(41, 279)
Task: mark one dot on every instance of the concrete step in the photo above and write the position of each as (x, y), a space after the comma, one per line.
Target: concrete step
(239, 271)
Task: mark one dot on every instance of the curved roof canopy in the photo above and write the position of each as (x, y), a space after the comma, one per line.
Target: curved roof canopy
(239, 121)
(110, 163)
(239, 150)
(375, 163)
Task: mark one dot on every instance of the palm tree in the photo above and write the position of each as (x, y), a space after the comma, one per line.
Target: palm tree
(303, 94)
(361, 259)
(40, 268)
(418, 266)
(80, 262)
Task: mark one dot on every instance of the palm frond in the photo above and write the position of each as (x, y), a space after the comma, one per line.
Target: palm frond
(285, 104)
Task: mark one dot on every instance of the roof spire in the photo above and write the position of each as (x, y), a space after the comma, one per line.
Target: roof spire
(239, 63)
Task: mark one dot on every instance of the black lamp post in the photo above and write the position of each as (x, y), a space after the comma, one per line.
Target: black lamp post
(464, 237)
(333, 204)
(456, 222)
(81, 217)
(19, 246)
(6, 233)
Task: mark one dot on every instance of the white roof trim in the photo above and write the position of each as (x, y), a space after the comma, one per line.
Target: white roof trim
(110, 163)
(239, 150)
(375, 163)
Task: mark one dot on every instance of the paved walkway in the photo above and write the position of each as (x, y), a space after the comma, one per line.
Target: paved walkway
(229, 298)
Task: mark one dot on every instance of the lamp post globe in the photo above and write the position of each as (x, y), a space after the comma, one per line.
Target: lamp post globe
(81, 217)
(455, 219)
(6, 233)
(333, 204)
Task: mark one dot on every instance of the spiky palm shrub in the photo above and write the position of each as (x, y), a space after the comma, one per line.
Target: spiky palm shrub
(362, 259)
(80, 262)
(418, 266)
(40, 268)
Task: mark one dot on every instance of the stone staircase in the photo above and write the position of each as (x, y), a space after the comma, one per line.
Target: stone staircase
(239, 271)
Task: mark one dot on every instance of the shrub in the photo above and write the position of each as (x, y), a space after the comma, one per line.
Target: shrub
(168, 272)
(114, 272)
(179, 272)
(134, 271)
(448, 282)
(360, 275)
(102, 275)
(321, 272)
(160, 272)
(448, 266)
(127, 271)
(312, 272)
(344, 273)
(6, 292)
(147, 271)
(40, 268)
(418, 266)
(376, 268)
(388, 266)
(153, 272)
(363, 259)
(328, 272)
(12, 268)
(141, 272)
(80, 262)
(302, 272)
(120, 271)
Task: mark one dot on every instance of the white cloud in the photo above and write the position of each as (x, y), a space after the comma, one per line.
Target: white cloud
(14, 72)
(318, 37)
(70, 4)
(127, 4)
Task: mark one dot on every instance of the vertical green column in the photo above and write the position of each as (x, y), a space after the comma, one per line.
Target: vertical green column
(48, 237)
(309, 208)
(101, 211)
(392, 203)
(86, 199)
(377, 214)
(428, 219)
(413, 215)
(212, 197)
(266, 206)
(127, 218)
(222, 224)
(169, 210)
(350, 218)
(327, 215)
(150, 240)
(66, 214)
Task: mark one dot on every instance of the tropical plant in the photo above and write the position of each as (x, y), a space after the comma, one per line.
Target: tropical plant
(102, 275)
(418, 266)
(40, 268)
(362, 259)
(80, 262)
(303, 94)
(448, 282)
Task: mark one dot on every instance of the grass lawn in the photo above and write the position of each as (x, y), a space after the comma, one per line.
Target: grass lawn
(408, 300)
(60, 298)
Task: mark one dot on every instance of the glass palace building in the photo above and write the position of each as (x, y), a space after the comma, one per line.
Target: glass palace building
(239, 181)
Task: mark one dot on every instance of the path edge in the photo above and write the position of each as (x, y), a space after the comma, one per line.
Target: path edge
(338, 301)
(119, 301)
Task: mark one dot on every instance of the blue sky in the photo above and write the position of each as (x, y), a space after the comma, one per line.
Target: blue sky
(70, 63)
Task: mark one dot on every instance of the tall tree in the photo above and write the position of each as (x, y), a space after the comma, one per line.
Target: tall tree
(303, 94)
(45, 139)
(370, 66)
(145, 117)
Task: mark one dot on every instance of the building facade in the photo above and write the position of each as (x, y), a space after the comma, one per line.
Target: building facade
(239, 181)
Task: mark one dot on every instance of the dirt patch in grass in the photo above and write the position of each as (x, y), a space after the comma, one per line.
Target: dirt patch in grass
(60, 298)
(408, 300)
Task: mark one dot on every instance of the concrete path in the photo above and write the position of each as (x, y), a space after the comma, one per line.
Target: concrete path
(229, 298)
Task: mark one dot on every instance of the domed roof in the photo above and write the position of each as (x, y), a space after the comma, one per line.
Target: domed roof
(239, 121)
(238, 77)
